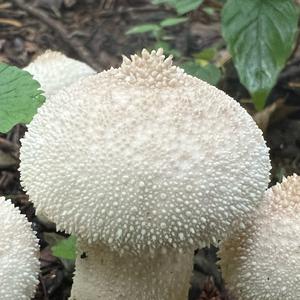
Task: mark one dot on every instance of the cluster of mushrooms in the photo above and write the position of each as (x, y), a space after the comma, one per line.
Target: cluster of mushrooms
(144, 164)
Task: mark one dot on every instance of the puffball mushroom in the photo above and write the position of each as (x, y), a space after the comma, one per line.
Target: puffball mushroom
(262, 262)
(143, 160)
(19, 265)
(53, 70)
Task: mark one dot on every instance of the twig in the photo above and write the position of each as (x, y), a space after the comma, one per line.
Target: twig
(290, 72)
(43, 288)
(5, 179)
(7, 145)
(74, 44)
(128, 10)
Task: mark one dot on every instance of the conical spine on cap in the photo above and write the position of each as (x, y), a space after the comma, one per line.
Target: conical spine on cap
(151, 70)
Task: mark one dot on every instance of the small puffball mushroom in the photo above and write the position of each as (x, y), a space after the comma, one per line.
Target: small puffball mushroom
(19, 265)
(54, 71)
(143, 160)
(262, 262)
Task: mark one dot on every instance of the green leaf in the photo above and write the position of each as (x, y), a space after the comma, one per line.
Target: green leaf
(260, 35)
(20, 97)
(158, 2)
(209, 73)
(168, 50)
(143, 28)
(172, 21)
(65, 248)
(163, 44)
(181, 6)
(209, 10)
(207, 54)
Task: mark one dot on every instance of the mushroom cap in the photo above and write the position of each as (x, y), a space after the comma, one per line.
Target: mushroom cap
(19, 265)
(144, 157)
(54, 71)
(262, 262)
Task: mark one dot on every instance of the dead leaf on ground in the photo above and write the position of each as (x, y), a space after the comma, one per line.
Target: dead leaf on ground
(273, 113)
(11, 22)
(210, 291)
(6, 160)
(5, 5)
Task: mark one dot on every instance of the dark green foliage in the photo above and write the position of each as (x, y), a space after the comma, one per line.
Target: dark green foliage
(209, 73)
(260, 35)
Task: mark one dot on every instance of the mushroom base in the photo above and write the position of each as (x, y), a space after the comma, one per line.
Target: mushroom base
(105, 275)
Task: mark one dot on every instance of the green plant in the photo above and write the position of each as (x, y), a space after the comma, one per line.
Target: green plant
(65, 248)
(162, 39)
(157, 30)
(202, 66)
(181, 6)
(260, 35)
(199, 67)
(20, 97)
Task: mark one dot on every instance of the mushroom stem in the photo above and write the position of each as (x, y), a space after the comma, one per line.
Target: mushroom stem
(102, 274)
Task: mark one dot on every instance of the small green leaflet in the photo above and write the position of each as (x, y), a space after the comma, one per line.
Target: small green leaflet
(207, 54)
(65, 248)
(172, 21)
(143, 28)
(209, 73)
(155, 28)
(20, 97)
(260, 35)
(181, 6)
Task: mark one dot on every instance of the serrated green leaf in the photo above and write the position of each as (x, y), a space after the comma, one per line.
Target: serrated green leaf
(209, 73)
(20, 97)
(260, 35)
(65, 248)
(172, 21)
(143, 28)
(181, 6)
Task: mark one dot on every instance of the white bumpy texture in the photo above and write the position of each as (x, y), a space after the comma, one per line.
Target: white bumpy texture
(54, 71)
(144, 157)
(103, 274)
(262, 262)
(19, 265)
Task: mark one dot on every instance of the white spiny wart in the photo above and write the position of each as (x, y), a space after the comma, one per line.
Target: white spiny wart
(262, 261)
(150, 70)
(19, 265)
(144, 159)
